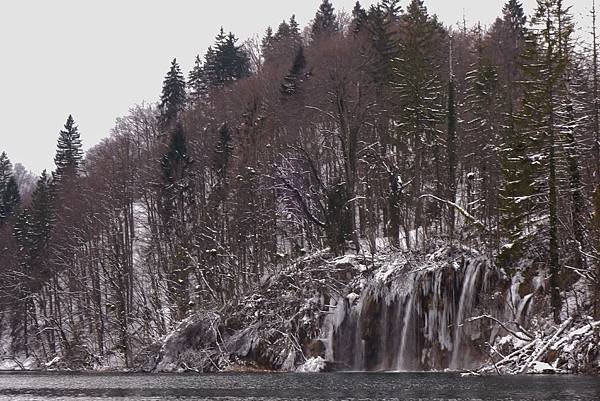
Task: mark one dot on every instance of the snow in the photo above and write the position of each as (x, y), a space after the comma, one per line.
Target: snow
(542, 367)
(54, 361)
(312, 365)
(352, 297)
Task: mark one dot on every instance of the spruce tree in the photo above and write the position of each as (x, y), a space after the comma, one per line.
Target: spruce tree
(451, 144)
(325, 22)
(516, 190)
(5, 176)
(176, 211)
(69, 151)
(294, 77)
(542, 121)
(595, 99)
(32, 232)
(283, 31)
(226, 62)
(267, 42)
(197, 83)
(595, 230)
(10, 199)
(384, 45)
(5, 170)
(295, 30)
(223, 153)
(172, 99)
(419, 106)
(482, 135)
(359, 18)
(392, 9)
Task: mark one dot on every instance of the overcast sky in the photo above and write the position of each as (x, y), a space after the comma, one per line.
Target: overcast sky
(95, 59)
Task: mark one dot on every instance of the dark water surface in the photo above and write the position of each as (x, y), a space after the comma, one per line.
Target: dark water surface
(275, 387)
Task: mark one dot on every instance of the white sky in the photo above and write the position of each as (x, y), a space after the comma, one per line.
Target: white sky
(96, 58)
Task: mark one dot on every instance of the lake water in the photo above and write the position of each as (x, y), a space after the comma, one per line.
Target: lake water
(275, 387)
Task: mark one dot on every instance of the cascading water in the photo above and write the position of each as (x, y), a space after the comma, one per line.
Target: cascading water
(418, 319)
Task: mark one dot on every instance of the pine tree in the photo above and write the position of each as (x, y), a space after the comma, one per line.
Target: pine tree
(69, 151)
(325, 22)
(172, 99)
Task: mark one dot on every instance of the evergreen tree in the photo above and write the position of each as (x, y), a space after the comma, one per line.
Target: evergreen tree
(451, 144)
(295, 30)
(172, 99)
(32, 232)
(5, 170)
(325, 22)
(514, 16)
(392, 9)
(223, 153)
(419, 104)
(69, 151)
(10, 199)
(5, 176)
(338, 219)
(197, 82)
(226, 62)
(595, 99)
(542, 121)
(176, 205)
(384, 45)
(267, 43)
(515, 195)
(595, 230)
(283, 31)
(482, 136)
(294, 77)
(359, 18)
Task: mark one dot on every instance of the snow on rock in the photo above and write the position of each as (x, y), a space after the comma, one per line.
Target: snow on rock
(542, 367)
(275, 328)
(434, 309)
(312, 365)
(571, 347)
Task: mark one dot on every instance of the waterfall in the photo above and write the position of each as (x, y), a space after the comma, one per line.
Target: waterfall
(416, 319)
(402, 358)
(464, 309)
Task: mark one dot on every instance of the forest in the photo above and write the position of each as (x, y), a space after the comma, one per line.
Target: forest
(375, 132)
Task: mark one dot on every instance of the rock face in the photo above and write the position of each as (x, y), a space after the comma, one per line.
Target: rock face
(417, 319)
